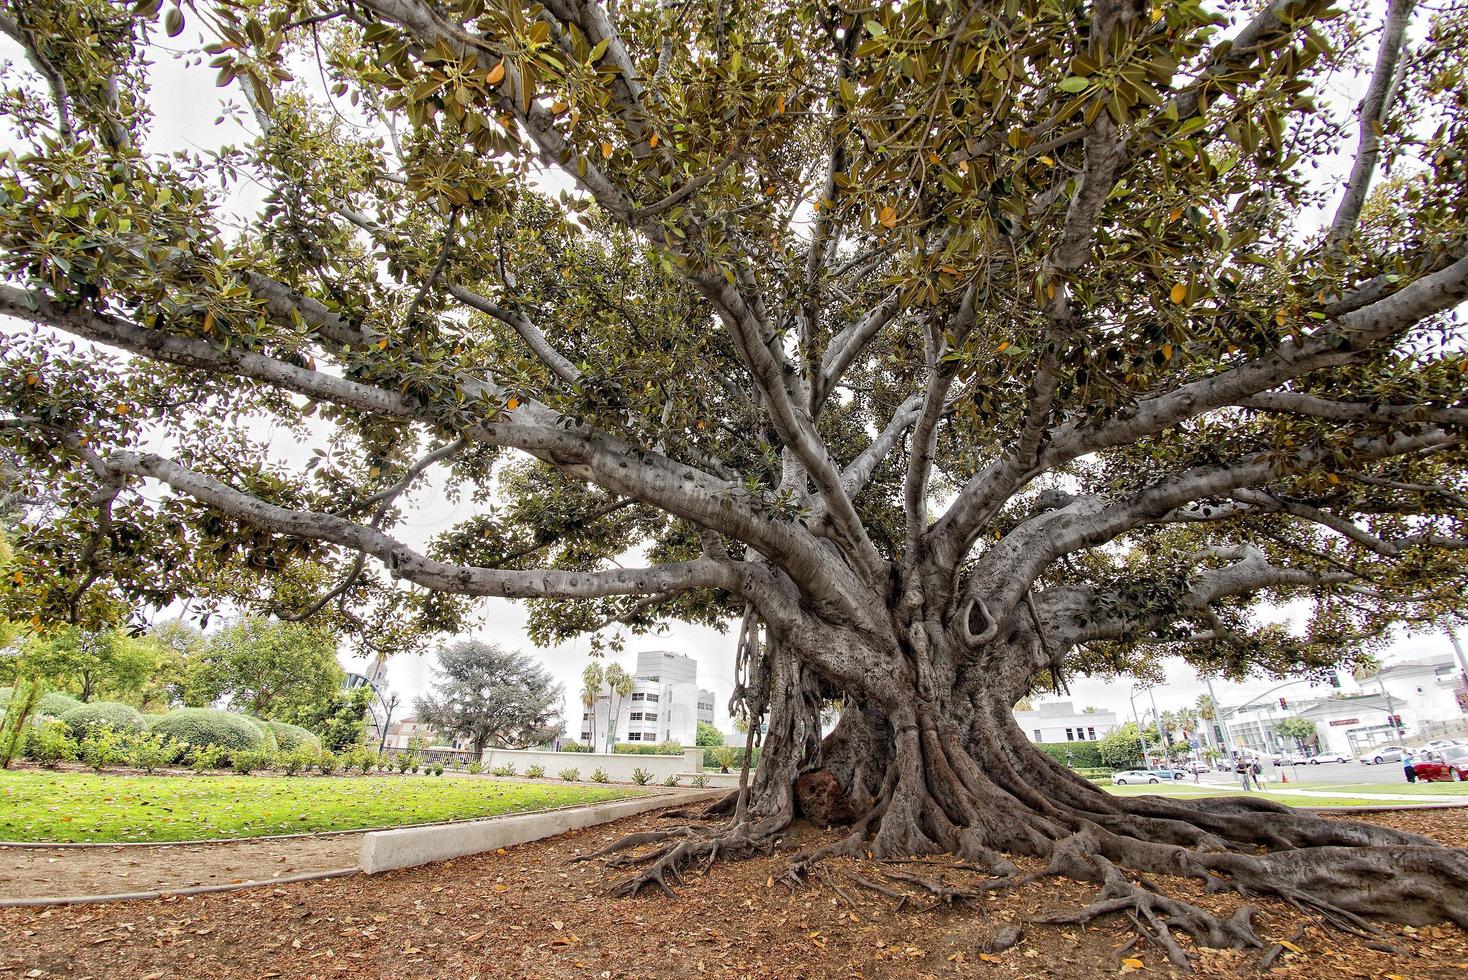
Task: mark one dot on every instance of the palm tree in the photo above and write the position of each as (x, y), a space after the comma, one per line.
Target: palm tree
(592, 679)
(619, 684)
(1208, 711)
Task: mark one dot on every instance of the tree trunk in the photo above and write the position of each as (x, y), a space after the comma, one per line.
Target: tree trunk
(930, 761)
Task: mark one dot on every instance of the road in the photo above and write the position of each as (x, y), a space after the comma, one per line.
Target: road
(1333, 773)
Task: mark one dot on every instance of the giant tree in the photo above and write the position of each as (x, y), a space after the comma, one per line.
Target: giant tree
(954, 349)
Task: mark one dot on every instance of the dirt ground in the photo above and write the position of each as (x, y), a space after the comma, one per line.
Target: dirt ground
(527, 912)
(30, 872)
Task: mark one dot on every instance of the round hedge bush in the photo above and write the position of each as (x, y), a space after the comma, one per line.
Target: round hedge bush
(271, 744)
(102, 714)
(56, 704)
(199, 727)
(290, 737)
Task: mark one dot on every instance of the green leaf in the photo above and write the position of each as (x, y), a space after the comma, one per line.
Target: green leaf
(1073, 84)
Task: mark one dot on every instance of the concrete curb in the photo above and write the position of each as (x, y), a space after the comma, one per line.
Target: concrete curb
(203, 841)
(16, 903)
(1385, 808)
(409, 847)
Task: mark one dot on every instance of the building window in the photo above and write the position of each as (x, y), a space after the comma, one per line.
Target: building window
(1070, 735)
(585, 735)
(637, 696)
(635, 716)
(1091, 734)
(1038, 736)
(652, 697)
(634, 736)
(651, 716)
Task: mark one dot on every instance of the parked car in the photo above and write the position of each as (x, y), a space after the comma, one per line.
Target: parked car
(1165, 773)
(1316, 760)
(1382, 753)
(1127, 776)
(1440, 744)
(1198, 768)
(1447, 765)
(1290, 759)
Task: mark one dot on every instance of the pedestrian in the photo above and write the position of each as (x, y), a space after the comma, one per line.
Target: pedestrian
(1070, 759)
(1257, 770)
(1242, 768)
(1407, 768)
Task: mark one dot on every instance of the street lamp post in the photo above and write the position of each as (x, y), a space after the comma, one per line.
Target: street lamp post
(389, 704)
(1141, 734)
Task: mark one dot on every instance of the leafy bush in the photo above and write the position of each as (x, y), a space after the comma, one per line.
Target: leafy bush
(570, 746)
(50, 744)
(299, 759)
(641, 776)
(384, 762)
(103, 747)
(289, 737)
(707, 735)
(246, 761)
(437, 769)
(1095, 772)
(414, 763)
(671, 780)
(15, 728)
(402, 761)
(361, 758)
(475, 767)
(535, 772)
(506, 770)
(200, 727)
(263, 727)
(327, 763)
(204, 757)
(102, 714)
(729, 758)
(150, 751)
(600, 776)
(699, 781)
(571, 775)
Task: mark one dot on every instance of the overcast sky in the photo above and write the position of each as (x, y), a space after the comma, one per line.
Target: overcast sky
(186, 106)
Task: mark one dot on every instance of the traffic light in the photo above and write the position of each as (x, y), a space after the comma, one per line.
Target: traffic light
(1284, 705)
(1335, 680)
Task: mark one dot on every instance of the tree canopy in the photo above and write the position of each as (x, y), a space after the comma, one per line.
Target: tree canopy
(955, 349)
(273, 670)
(488, 695)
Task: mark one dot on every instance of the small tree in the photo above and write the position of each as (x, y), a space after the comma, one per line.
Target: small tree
(708, 735)
(485, 694)
(1297, 730)
(271, 669)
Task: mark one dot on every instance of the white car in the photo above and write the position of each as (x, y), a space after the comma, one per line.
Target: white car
(1438, 744)
(1382, 753)
(1316, 760)
(1135, 776)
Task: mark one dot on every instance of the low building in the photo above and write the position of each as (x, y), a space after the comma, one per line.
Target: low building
(401, 733)
(1059, 721)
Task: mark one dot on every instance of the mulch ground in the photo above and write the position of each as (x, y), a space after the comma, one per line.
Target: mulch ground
(526, 912)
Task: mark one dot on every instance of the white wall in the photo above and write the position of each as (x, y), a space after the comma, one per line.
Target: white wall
(618, 766)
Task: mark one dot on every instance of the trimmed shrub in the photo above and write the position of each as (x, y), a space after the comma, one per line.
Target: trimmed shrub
(571, 775)
(505, 770)
(1084, 755)
(437, 769)
(102, 714)
(201, 727)
(56, 704)
(475, 767)
(569, 746)
(641, 776)
(661, 748)
(600, 776)
(288, 737)
(327, 763)
(699, 781)
(535, 772)
(50, 744)
(264, 728)
(671, 780)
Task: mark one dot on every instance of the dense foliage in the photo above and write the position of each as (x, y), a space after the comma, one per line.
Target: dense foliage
(102, 714)
(491, 696)
(200, 727)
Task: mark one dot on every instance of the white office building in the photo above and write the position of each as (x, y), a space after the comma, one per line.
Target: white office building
(1059, 721)
(665, 704)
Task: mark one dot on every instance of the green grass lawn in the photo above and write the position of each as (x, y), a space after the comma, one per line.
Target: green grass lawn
(1404, 787)
(1344, 799)
(64, 806)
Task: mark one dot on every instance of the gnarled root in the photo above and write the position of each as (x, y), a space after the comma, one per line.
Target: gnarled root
(681, 847)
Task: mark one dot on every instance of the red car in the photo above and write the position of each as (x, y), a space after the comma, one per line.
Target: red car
(1448, 765)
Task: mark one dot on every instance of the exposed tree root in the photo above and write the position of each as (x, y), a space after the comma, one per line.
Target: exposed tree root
(678, 849)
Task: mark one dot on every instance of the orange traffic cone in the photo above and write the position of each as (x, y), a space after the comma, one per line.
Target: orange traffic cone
(1284, 777)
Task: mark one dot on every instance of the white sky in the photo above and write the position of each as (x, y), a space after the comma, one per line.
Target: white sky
(186, 104)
